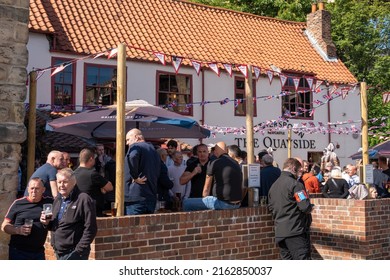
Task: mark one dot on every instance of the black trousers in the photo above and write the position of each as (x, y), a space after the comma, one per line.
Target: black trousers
(296, 247)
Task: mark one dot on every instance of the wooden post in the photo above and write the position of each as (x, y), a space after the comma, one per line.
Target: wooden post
(249, 116)
(32, 116)
(249, 127)
(289, 143)
(120, 130)
(363, 108)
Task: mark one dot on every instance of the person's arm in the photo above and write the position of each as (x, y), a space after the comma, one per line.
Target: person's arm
(316, 186)
(107, 188)
(9, 228)
(345, 189)
(188, 175)
(302, 198)
(207, 186)
(90, 226)
(54, 188)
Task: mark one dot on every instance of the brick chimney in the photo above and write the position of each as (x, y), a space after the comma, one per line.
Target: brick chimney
(318, 27)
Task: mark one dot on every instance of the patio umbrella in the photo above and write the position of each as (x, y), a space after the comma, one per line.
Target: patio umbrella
(154, 122)
(381, 149)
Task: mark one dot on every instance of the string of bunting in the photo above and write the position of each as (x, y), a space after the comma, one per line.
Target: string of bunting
(309, 127)
(176, 61)
(197, 65)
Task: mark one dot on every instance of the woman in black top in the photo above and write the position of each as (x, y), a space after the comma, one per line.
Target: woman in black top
(336, 186)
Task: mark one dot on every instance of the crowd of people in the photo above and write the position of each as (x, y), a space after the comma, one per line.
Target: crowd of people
(159, 179)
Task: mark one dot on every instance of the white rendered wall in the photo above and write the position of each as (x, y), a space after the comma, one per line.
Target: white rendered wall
(141, 84)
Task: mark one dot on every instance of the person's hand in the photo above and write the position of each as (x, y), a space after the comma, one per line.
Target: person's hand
(197, 169)
(141, 180)
(43, 219)
(23, 230)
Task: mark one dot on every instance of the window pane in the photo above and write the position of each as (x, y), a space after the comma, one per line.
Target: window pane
(92, 76)
(164, 83)
(240, 84)
(239, 94)
(297, 104)
(63, 84)
(175, 90)
(67, 78)
(101, 85)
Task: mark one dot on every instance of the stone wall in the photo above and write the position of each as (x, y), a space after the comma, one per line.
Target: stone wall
(13, 75)
(341, 229)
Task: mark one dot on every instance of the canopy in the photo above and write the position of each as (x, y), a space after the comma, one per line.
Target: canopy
(154, 122)
(382, 149)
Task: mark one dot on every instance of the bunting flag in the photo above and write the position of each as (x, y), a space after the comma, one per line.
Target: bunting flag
(160, 57)
(344, 92)
(270, 75)
(283, 79)
(99, 55)
(296, 83)
(112, 53)
(257, 72)
(214, 67)
(333, 90)
(58, 69)
(225, 101)
(317, 87)
(310, 82)
(39, 74)
(228, 68)
(176, 62)
(197, 65)
(244, 70)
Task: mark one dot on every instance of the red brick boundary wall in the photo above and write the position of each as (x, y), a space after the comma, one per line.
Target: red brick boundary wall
(341, 229)
(351, 229)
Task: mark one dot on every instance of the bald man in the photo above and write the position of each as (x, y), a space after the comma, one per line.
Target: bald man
(227, 176)
(142, 170)
(47, 173)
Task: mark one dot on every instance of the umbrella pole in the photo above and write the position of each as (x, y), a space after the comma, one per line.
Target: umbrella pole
(120, 130)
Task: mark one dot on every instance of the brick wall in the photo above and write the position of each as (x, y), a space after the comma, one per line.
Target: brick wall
(351, 229)
(341, 229)
(245, 233)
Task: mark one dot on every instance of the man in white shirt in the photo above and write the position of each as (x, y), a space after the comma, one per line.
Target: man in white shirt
(174, 172)
(350, 175)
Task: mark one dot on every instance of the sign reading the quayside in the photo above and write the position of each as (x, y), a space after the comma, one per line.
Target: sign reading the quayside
(276, 143)
(278, 128)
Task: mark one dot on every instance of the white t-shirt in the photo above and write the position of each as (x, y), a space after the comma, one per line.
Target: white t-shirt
(174, 174)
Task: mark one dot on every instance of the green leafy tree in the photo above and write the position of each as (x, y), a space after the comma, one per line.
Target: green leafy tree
(361, 33)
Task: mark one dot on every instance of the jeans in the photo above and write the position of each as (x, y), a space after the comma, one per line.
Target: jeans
(140, 207)
(73, 255)
(16, 254)
(207, 203)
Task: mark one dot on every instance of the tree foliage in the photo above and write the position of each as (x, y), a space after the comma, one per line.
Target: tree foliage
(360, 31)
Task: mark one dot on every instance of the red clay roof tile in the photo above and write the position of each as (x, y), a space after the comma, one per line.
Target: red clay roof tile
(182, 28)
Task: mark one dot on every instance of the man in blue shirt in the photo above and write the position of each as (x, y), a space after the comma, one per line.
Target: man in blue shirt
(142, 170)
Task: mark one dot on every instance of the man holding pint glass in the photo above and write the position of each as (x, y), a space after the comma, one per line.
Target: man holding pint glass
(73, 220)
(28, 235)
